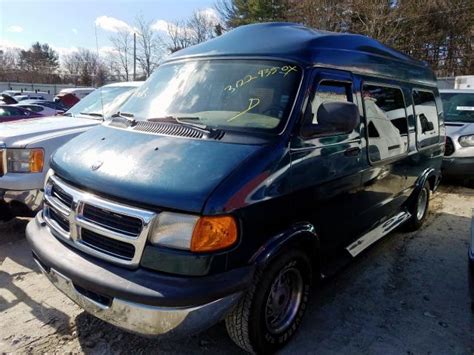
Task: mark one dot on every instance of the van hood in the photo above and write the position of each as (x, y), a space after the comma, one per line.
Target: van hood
(19, 134)
(151, 170)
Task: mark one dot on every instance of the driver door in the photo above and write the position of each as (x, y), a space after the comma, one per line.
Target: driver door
(326, 167)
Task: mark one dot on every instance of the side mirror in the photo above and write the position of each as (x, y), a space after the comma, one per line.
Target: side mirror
(333, 118)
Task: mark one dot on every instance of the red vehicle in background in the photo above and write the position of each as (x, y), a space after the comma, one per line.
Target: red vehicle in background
(12, 113)
(67, 99)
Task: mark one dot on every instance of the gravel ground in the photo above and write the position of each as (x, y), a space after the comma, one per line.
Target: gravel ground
(406, 294)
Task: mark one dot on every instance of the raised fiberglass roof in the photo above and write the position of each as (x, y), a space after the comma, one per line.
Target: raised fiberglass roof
(306, 46)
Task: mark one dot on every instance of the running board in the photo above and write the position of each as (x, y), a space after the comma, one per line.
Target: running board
(377, 233)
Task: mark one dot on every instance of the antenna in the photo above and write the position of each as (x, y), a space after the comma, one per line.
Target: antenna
(95, 76)
(134, 56)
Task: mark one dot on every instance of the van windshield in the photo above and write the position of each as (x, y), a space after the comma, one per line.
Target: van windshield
(229, 94)
(458, 107)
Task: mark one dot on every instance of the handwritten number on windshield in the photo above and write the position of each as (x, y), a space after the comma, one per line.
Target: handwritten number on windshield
(253, 102)
(262, 73)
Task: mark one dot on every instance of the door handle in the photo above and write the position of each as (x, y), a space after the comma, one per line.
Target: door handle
(352, 152)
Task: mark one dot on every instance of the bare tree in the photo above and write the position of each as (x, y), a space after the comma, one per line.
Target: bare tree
(179, 36)
(199, 28)
(86, 67)
(123, 45)
(149, 50)
(9, 59)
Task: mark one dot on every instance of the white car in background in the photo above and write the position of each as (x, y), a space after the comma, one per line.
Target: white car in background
(20, 95)
(458, 108)
(27, 145)
(42, 110)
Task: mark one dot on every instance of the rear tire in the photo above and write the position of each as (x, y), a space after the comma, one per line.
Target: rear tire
(420, 208)
(270, 312)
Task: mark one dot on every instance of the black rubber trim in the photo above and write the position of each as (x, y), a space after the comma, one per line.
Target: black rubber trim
(140, 285)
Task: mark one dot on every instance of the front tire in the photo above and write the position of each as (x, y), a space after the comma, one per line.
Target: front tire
(5, 213)
(420, 208)
(270, 312)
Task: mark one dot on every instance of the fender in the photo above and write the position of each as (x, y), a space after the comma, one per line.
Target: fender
(425, 176)
(420, 182)
(302, 234)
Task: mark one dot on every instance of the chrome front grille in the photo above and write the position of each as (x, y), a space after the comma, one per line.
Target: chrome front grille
(112, 247)
(63, 197)
(131, 226)
(94, 225)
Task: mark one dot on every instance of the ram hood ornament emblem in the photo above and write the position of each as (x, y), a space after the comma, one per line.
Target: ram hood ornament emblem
(97, 165)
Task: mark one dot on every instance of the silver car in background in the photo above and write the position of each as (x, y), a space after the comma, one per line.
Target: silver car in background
(27, 145)
(458, 159)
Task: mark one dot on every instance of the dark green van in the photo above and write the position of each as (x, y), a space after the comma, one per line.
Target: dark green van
(243, 171)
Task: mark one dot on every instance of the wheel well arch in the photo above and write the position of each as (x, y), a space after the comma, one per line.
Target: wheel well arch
(301, 236)
(432, 180)
(429, 176)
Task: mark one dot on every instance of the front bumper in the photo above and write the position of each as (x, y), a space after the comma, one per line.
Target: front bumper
(458, 167)
(31, 200)
(142, 319)
(139, 300)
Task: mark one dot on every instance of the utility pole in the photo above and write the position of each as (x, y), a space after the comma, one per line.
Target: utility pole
(134, 56)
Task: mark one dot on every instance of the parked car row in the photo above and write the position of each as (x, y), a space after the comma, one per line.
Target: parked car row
(42, 103)
(233, 180)
(12, 113)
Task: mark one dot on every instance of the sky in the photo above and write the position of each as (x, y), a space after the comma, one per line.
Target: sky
(69, 24)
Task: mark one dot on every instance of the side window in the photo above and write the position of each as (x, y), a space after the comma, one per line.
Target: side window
(326, 91)
(14, 111)
(427, 125)
(387, 122)
(34, 108)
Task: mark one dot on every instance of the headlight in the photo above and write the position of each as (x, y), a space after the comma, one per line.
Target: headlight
(197, 234)
(25, 160)
(467, 141)
(173, 230)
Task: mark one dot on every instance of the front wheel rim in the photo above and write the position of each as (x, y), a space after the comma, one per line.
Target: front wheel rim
(284, 300)
(422, 202)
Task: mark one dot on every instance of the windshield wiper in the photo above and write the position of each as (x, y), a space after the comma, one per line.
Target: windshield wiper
(125, 114)
(200, 127)
(93, 114)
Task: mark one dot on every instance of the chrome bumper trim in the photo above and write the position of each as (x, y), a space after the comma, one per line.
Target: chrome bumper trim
(144, 319)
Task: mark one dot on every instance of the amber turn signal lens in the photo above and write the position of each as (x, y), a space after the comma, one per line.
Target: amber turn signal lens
(36, 160)
(213, 233)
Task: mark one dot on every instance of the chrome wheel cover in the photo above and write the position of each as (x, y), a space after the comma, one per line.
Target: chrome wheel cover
(422, 202)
